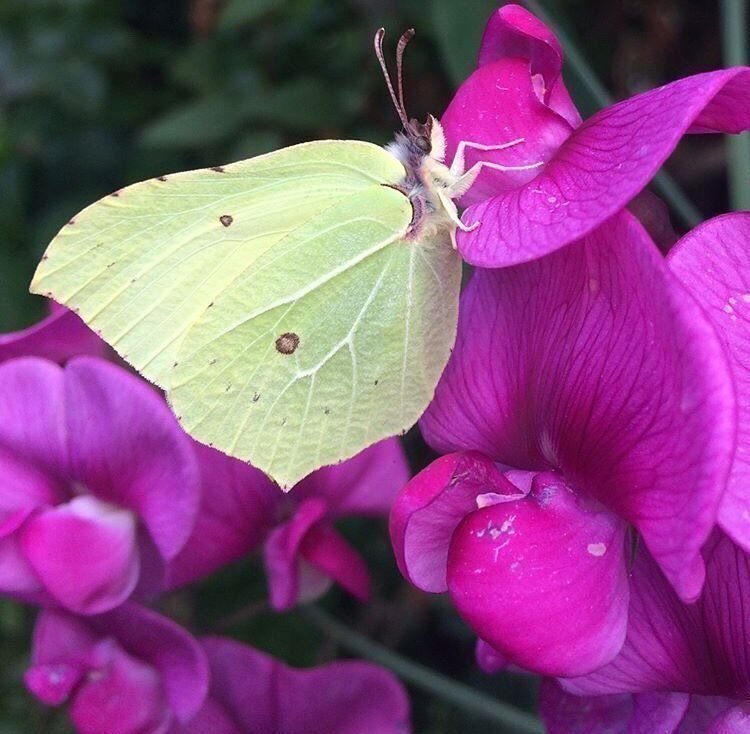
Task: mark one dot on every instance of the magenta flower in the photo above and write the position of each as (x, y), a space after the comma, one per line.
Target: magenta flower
(303, 552)
(58, 337)
(566, 177)
(129, 671)
(587, 397)
(252, 692)
(692, 662)
(98, 484)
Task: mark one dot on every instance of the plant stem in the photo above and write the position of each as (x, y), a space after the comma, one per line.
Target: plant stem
(734, 22)
(512, 719)
(663, 181)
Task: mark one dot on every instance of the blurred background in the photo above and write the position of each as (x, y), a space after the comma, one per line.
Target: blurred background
(96, 94)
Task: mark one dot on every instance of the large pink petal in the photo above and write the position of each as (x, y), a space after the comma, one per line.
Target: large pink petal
(597, 170)
(499, 103)
(645, 713)
(366, 484)
(595, 362)
(713, 261)
(127, 448)
(430, 508)
(700, 648)
(84, 553)
(514, 32)
(57, 337)
(543, 579)
(264, 695)
(238, 508)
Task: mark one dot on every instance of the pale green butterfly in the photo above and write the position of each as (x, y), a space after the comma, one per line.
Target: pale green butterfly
(295, 307)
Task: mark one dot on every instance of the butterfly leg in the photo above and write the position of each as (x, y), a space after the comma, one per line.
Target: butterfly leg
(465, 181)
(458, 165)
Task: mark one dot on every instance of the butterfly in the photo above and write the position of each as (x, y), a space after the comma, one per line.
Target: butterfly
(295, 307)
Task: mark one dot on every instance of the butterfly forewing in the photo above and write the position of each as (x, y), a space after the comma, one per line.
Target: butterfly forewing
(140, 266)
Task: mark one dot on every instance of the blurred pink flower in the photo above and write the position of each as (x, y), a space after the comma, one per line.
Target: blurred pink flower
(573, 176)
(128, 671)
(251, 692)
(98, 484)
(242, 509)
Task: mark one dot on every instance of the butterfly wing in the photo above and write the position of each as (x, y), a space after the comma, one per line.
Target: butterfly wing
(334, 339)
(142, 265)
(278, 300)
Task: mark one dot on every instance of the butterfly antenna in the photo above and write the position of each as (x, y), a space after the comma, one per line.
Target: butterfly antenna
(403, 42)
(397, 103)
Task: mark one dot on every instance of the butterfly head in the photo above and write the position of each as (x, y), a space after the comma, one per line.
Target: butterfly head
(425, 137)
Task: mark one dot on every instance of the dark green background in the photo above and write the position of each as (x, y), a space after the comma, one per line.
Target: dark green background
(96, 94)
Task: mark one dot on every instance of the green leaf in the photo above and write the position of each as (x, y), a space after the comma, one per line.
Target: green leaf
(241, 12)
(457, 27)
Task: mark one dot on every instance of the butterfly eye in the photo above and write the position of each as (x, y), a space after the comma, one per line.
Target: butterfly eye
(422, 143)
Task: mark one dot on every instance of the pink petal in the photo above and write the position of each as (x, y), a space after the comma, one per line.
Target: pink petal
(499, 103)
(211, 719)
(264, 695)
(166, 647)
(513, 567)
(124, 696)
(734, 721)
(653, 214)
(366, 484)
(238, 508)
(596, 363)
(84, 553)
(57, 337)
(704, 710)
(489, 660)
(646, 713)
(713, 261)
(432, 505)
(699, 648)
(32, 419)
(281, 553)
(514, 32)
(596, 171)
(330, 553)
(128, 449)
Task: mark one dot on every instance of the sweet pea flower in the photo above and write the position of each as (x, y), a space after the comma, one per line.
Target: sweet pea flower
(242, 510)
(251, 692)
(684, 668)
(59, 336)
(566, 177)
(128, 671)
(587, 400)
(98, 484)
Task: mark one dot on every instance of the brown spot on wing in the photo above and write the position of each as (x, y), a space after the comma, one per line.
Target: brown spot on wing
(287, 343)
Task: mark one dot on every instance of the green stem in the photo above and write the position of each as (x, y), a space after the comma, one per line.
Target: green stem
(734, 22)
(663, 181)
(512, 719)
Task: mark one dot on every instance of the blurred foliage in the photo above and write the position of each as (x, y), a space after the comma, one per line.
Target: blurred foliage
(95, 94)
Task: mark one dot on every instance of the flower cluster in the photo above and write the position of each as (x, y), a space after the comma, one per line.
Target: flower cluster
(105, 503)
(590, 514)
